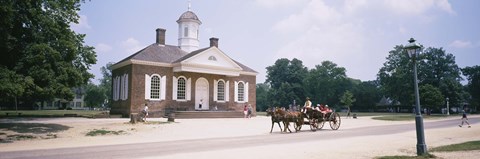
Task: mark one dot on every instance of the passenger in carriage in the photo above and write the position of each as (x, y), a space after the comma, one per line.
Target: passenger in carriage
(317, 108)
(308, 105)
(324, 109)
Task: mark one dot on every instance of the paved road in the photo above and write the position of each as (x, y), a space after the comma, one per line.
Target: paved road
(158, 149)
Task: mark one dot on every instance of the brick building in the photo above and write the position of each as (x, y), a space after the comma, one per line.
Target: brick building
(181, 77)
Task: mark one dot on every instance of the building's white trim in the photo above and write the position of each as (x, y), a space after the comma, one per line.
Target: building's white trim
(198, 68)
(150, 63)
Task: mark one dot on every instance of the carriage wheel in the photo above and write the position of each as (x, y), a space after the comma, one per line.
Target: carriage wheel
(313, 124)
(335, 121)
(320, 125)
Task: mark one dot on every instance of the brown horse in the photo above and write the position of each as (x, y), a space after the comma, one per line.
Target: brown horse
(287, 117)
(296, 118)
(275, 118)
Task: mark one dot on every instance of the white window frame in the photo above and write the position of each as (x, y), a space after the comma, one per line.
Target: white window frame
(225, 91)
(188, 84)
(245, 92)
(148, 87)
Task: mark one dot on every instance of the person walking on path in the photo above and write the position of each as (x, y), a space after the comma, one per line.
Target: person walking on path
(464, 119)
(348, 112)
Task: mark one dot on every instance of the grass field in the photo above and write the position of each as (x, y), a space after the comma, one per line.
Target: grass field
(52, 113)
(466, 146)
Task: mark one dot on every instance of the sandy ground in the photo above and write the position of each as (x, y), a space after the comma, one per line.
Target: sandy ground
(71, 132)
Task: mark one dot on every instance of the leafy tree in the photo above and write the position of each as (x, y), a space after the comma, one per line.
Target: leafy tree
(396, 76)
(262, 96)
(94, 96)
(286, 80)
(473, 86)
(367, 95)
(106, 83)
(42, 57)
(431, 97)
(347, 99)
(326, 83)
(440, 70)
(435, 68)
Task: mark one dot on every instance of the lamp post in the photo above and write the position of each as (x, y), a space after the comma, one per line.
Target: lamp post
(413, 50)
(448, 108)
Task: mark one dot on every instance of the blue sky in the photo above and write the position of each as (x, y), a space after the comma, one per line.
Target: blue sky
(354, 34)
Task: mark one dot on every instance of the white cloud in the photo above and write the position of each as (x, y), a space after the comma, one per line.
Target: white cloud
(444, 5)
(461, 44)
(101, 47)
(82, 23)
(131, 45)
(403, 7)
(277, 3)
(316, 13)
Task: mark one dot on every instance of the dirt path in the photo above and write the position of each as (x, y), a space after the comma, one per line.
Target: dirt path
(70, 132)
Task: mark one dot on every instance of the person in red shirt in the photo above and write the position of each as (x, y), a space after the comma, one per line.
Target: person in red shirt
(324, 109)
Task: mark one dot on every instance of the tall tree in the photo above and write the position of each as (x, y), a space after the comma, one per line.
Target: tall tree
(326, 83)
(38, 45)
(439, 69)
(94, 96)
(262, 96)
(473, 86)
(106, 83)
(367, 95)
(435, 67)
(431, 97)
(396, 76)
(347, 99)
(286, 80)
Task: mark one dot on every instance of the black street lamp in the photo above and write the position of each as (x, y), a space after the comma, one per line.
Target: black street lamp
(414, 50)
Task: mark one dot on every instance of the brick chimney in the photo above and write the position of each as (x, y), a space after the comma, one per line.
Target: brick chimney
(161, 36)
(214, 42)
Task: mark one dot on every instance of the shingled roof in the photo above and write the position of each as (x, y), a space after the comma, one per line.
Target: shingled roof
(158, 53)
(170, 54)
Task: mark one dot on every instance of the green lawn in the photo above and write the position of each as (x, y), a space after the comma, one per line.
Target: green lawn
(466, 146)
(407, 117)
(50, 113)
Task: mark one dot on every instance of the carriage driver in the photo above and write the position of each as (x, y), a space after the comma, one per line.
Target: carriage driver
(308, 105)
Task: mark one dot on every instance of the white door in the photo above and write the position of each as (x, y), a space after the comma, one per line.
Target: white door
(201, 94)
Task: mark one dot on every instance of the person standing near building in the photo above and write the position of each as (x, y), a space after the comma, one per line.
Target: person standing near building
(464, 119)
(245, 109)
(200, 105)
(145, 112)
(249, 111)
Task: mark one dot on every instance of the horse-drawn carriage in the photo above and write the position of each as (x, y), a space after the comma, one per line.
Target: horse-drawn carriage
(314, 118)
(317, 120)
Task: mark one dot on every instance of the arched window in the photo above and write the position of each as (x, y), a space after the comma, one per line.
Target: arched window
(241, 92)
(221, 91)
(155, 87)
(181, 88)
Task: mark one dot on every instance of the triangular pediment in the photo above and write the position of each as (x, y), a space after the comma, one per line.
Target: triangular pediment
(211, 60)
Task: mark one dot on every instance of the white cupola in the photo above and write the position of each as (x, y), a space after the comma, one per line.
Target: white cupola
(188, 27)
